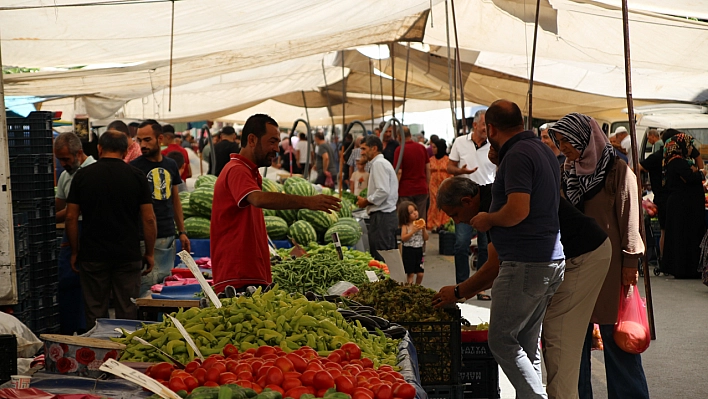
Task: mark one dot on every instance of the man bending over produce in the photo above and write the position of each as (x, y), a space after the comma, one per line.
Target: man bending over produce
(239, 242)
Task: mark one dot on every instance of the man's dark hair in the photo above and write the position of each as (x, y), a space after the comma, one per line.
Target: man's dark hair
(156, 127)
(114, 141)
(504, 115)
(169, 131)
(373, 141)
(453, 189)
(70, 141)
(668, 133)
(434, 137)
(228, 131)
(303, 136)
(120, 126)
(177, 157)
(319, 136)
(256, 125)
(134, 124)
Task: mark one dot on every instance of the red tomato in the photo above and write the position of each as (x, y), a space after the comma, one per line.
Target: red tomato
(321, 393)
(405, 391)
(243, 383)
(357, 362)
(284, 364)
(252, 350)
(177, 384)
(334, 372)
(352, 351)
(334, 357)
(290, 383)
(261, 381)
(227, 377)
(264, 350)
(245, 375)
(262, 371)
(313, 365)
(235, 357)
(162, 371)
(191, 366)
(383, 391)
(274, 387)
(363, 393)
(200, 375)
(367, 363)
(385, 367)
(333, 365)
(295, 393)
(292, 374)
(257, 388)
(245, 355)
(344, 384)
(308, 377)
(397, 376)
(241, 367)
(219, 366)
(256, 364)
(191, 383)
(274, 376)
(230, 349)
(387, 377)
(217, 356)
(208, 362)
(211, 384)
(323, 380)
(270, 356)
(213, 374)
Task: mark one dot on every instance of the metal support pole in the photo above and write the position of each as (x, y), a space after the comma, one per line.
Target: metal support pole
(635, 159)
(529, 121)
(459, 68)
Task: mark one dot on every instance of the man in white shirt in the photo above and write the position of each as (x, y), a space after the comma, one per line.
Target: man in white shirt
(471, 151)
(380, 202)
(625, 142)
(301, 151)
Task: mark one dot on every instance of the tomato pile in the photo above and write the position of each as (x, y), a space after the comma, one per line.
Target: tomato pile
(301, 372)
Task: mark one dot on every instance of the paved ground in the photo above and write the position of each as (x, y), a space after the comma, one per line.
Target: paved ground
(674, 363)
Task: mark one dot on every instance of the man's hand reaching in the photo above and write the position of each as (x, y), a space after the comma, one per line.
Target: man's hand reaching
(324, 203)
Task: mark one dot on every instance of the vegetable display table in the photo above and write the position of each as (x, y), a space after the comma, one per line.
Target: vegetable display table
(148, 308)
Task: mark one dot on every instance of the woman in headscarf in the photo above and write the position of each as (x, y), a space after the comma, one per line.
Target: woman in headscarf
(287, 156)
(602, 186)
(685, 226)
(438, 173)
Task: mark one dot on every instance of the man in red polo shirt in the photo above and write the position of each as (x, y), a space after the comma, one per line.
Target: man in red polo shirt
(239, 243)
(168, 139)
(414, 174)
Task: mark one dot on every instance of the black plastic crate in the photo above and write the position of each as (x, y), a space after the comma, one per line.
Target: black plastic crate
(444, 391)
(44, 298)
(37, 210)
(48, 324)
(21, 235)
(43, 274)
(475, 350)
(32, 165)
(8, 357)
(438, 348)
(23, 280)
(30, 135)
(446, 243)
(480, 379)
(42, 231)
(43, 253)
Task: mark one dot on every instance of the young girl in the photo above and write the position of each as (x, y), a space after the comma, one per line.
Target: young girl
(359, 179)
(413, 235)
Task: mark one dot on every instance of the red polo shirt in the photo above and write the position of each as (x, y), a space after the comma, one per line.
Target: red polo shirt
(177, 147)
(239, 242)
(413, 180)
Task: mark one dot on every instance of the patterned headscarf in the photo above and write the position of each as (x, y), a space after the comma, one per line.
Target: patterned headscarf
(584, 177)
(678, 146)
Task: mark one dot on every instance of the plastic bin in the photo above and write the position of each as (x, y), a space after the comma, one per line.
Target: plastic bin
(475, 350)
(480, 379)
(446, 243)
(8, 357)
(30, 135)
(32, 165)
(438, 347)
(444, 391)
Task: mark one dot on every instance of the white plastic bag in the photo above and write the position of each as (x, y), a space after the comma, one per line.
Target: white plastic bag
(341, 287)
(27, 343)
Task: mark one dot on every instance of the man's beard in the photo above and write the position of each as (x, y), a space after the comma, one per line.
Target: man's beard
(151, 152)
(73, 167)
(494, 143)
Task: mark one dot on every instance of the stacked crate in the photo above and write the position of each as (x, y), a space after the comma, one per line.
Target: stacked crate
(479, 372)
(32, 180)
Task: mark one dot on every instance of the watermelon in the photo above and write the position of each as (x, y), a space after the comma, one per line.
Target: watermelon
(270, 186)
(197, 227)
(346, 210)
(270, 212)
(348, 236)
(327, 191)
(187, 209)
(201, 199)
(321, 221)
(276, 227)
(295, 180)
(184, 195)
(348, 195)
(289, 215)
(350, 222)
(302, 232)
(302, 189)
(205, 180)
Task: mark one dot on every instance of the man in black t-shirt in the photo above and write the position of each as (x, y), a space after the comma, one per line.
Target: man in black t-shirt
(224, 148)
(113, 198)
(163, 177)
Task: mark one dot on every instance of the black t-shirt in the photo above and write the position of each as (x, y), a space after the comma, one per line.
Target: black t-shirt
(109, 193)
(390, 151)
(222, 151)
(580, 234)
(653, 165)
(161, 177)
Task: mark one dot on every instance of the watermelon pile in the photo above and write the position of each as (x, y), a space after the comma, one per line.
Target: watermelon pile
(196, 207)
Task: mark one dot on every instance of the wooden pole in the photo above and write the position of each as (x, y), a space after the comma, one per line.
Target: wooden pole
(529, 121)
(459, 68)
(635, 159)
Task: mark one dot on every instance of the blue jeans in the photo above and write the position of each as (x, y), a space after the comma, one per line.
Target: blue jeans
(624, 371)
(164, 262)
(521, 293)
(463, 236)
(482, 254)
(72, 316)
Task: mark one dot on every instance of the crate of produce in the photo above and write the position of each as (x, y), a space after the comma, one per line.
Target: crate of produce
(8, 357)
(444, 391)
(480, 378)
(446, 243)
(30, 135)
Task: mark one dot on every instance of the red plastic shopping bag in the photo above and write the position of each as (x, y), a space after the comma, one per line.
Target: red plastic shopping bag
(632, 327)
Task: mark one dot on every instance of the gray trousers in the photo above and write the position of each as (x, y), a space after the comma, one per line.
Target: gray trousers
(382, 232)
(99, 279)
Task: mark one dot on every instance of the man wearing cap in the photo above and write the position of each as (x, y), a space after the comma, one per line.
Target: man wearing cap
(625, 142)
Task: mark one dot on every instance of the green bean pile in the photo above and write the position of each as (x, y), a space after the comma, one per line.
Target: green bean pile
(317, 273)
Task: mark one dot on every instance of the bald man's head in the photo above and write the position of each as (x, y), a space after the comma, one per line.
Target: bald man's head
(505, 116)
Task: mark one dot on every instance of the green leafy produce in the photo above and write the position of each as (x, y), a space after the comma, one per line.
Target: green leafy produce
(449, 226)
(364, 192)
(275, 318)
(317, 273)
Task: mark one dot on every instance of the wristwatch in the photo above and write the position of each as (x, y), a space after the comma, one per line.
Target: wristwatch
(181, 232)
(457, 292)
